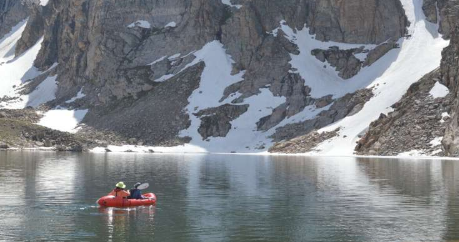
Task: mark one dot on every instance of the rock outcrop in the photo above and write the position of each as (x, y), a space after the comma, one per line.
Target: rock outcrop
(417, 123)
(348, 105)
(303, 144)
(216, 122)
(378, 52)
(450, 77)
(361, 21)
(34, 30)
(344, 61)
(443, 12)
(11, 13)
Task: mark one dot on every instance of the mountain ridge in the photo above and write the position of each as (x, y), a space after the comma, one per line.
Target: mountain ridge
(243, 70)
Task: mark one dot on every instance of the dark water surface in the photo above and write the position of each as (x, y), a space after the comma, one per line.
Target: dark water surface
(50, 197)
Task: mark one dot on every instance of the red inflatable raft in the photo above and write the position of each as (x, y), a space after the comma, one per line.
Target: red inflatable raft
(119, 202)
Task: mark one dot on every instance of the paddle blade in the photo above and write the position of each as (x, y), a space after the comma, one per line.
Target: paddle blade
(143, 186)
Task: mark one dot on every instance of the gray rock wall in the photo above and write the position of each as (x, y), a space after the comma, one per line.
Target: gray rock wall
(357, 21)
(443, 12)
(450, 77)
(11, 13)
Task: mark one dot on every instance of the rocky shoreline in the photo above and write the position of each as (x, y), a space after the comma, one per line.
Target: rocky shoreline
(18, 130)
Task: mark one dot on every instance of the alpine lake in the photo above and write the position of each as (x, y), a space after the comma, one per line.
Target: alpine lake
(49, 196)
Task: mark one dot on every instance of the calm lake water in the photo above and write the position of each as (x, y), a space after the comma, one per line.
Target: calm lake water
(51, 196)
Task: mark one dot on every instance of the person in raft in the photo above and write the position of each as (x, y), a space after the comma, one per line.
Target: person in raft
(119, 191)
(135, 192)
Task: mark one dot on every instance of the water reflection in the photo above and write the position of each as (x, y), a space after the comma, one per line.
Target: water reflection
(120, 222)
(229, 198)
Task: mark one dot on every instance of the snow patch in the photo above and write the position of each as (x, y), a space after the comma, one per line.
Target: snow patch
(228, 2)
(170, 58)
(164, 78)
(174, 57)
(79, 95)
(274, 32)
(44, 2)
(158, 60)
(16, 72)
(436, 141)
(361, 56)
(141, 24)
(439, 90)
(8, 42)
(413, 153)
(243, 136)
(43, 93)
(443, 116)
(55, 64)
(325, 81)
(215, 77)
(63, 120)
(171, 25)
(187, 148)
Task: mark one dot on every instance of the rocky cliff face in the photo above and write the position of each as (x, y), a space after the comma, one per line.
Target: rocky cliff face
(11, 13)
(140, 64)
(449, 72)
(443, 12)
(357, 21)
